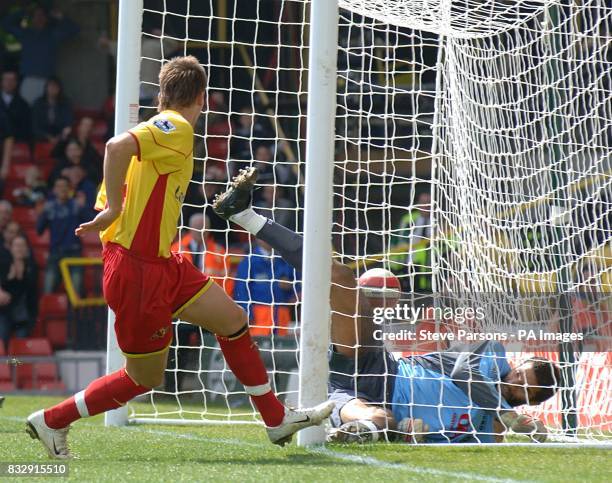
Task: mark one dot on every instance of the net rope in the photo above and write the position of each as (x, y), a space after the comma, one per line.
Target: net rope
(472, 156)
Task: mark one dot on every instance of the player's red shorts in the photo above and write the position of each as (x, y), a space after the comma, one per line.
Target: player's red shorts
(145, 294)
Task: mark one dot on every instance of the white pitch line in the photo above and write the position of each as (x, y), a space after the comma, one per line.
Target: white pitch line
(320, 450)
(368, 460)
(323, 451)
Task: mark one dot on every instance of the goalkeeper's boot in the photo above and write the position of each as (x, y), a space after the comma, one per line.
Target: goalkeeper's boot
(361, 431)
(239, 195)
(54, 440)
(297, 419)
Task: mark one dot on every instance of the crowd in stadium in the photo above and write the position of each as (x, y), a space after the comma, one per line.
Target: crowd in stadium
(51, 167)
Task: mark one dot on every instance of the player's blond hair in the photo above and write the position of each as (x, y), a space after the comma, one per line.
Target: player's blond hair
(181, 81)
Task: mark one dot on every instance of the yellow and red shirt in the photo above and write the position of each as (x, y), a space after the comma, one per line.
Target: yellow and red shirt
(155, 186)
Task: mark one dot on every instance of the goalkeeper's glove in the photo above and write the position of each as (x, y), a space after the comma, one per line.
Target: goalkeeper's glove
(524, 424)
(412, 430)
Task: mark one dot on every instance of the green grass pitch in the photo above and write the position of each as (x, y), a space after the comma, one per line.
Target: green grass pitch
(242, 453)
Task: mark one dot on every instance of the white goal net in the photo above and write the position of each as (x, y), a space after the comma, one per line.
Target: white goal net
(472, 156)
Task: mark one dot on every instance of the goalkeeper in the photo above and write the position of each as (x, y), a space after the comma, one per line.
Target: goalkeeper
(460, 395)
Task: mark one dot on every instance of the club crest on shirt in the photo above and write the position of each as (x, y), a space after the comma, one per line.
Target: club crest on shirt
(164, 125)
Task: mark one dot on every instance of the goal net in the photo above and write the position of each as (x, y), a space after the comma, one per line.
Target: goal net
(472, 158)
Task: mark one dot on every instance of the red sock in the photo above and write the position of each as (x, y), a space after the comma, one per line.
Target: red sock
(242, 356)
(103, 394)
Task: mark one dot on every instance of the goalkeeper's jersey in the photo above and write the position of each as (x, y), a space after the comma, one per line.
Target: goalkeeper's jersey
(435, 388)
(155, 186)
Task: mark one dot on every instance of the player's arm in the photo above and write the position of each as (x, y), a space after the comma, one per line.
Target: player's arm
(119, 152)
(343, 301)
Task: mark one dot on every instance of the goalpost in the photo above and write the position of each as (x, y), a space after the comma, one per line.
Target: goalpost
(463, 144)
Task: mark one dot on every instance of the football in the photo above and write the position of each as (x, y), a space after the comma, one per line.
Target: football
(379, 283)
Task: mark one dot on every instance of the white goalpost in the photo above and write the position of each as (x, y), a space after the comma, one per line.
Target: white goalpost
(462, 144)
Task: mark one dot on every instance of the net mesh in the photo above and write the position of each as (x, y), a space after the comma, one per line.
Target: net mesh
(472, 156)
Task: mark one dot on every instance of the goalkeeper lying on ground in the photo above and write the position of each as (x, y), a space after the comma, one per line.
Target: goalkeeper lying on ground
(463, 394)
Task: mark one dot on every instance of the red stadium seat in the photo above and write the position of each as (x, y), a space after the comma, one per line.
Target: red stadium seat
(37, 375)
(36, 240)
(41, 255)
(80, 112)
(92, 252)
(25, 216)
(91, 239)
(43, 150)
(9, 187)
(53, 306)
(99, 130)
(47, 386)
(56, 331)
(18, 171)
(21, 153)
(30, 347)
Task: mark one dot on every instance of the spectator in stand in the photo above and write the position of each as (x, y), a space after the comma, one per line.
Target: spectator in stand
(15, 107)
(272, 169)
(34, 191)
(199, 246)
(413, 242)
(6, 147)
(274, 204)
(18, 292)
(6, 216)
(40, 38)
(265, 288)
(82, 134)
(10, 231)
(52, 113)
(74, 155)
(82, 186)
(247, 135)
(62, 215)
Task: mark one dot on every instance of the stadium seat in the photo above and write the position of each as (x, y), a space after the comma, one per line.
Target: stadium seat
(53, 306)
(6, 380)
(38, 241)
(41, 255)
(18, 171)
(80, 112)
(99, 130)
(21, 153)
(37, 375)
(56, 330)
(25, 216)
(34, 346)
(91, 239)
(10, 186)
(53, 317)
(100, 147)
(44, 385)
(43, 151)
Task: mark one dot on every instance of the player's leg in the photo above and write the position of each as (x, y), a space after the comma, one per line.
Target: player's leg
(108, 392)
(215, 311)
(235, 205)
(143, 333)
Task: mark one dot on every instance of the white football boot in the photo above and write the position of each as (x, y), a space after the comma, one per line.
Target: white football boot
(297, 419)
(54, 440)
